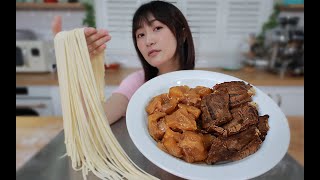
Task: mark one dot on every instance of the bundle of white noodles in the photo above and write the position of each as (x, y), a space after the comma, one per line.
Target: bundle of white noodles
(89, 140)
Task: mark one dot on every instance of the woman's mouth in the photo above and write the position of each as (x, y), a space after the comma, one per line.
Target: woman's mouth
(153, 53)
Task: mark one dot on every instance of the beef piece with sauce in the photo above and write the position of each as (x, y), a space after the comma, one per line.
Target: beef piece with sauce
(243, 116)
(235, 147)
(239, 91)
(263, 126)
(215, 110)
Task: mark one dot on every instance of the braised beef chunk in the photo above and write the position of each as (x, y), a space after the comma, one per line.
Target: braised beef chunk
(219, 152)
(239, 136)
(243, 116)
(263, 126)
(215, 109)
(240, 140)
(234, 147)
(249, 149)
(217, 130)
(239, 91)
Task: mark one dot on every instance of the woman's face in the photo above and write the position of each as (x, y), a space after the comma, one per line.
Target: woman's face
(157, 44)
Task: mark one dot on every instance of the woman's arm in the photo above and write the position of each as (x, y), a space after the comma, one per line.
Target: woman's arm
(115, 107)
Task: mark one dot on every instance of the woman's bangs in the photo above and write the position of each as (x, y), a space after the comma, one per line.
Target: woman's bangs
(142, 19)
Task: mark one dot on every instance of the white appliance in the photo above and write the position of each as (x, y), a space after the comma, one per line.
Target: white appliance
(34, 101)
(34, 56)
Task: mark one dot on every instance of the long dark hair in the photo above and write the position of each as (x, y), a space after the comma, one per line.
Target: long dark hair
(171, 16)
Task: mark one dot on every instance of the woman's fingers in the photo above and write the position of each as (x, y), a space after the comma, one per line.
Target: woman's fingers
(93, 37)
(88, 31)
(98, 50)
(96, 40)
(96, 44)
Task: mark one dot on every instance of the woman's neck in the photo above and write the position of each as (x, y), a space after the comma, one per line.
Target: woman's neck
(172, 65)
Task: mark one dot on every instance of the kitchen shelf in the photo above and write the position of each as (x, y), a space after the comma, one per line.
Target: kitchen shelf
(292, 8)
(49, 6)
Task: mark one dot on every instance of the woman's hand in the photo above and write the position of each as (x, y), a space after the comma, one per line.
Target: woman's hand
(96, 40)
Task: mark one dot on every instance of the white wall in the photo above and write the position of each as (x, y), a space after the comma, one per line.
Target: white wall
(40, 21)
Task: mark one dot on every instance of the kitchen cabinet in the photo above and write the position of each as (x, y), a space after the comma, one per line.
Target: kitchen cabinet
(34, 100)
(289, 98)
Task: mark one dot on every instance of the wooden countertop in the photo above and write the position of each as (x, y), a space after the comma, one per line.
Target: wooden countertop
(114, 77)
(33, 133)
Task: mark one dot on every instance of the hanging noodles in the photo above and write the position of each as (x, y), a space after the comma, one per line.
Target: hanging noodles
(89, 140)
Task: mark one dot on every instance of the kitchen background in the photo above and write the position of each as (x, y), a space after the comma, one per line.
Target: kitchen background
(226, 35)
(219, 35)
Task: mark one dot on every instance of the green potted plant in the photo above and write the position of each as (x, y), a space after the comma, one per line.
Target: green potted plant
(89, 19)
(271, 23)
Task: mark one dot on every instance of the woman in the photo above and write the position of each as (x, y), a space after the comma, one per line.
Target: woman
(163, 41)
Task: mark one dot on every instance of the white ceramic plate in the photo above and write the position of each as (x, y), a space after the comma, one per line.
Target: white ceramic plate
(273, 148)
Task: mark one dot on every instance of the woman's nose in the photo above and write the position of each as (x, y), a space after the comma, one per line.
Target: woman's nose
(150, 40)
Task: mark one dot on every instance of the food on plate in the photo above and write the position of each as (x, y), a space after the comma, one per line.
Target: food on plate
(207, 124)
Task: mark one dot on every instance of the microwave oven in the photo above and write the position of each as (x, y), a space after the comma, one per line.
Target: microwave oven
(34, 56)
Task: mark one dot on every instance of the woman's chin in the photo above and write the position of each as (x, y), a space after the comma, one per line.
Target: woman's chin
(155, 63)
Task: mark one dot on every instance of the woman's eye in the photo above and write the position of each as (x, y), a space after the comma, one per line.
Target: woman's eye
(140, 35)
(157, 28)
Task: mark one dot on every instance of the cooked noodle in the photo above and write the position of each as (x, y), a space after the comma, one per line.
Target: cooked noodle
(89, 140)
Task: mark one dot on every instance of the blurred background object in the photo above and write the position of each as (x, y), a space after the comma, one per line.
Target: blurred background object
(227, 34)
(290, 2)
(279, 48)
(89, 19)
(50, 1)
(285, 45)
(25, 34)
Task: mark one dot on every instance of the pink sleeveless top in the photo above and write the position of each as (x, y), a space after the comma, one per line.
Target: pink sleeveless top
(130, 84)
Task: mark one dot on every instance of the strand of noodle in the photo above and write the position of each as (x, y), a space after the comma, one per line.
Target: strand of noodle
(92, 114)
(89, 140)
(103, 80)
(86, 126)
(62, 71)
(90, 117)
